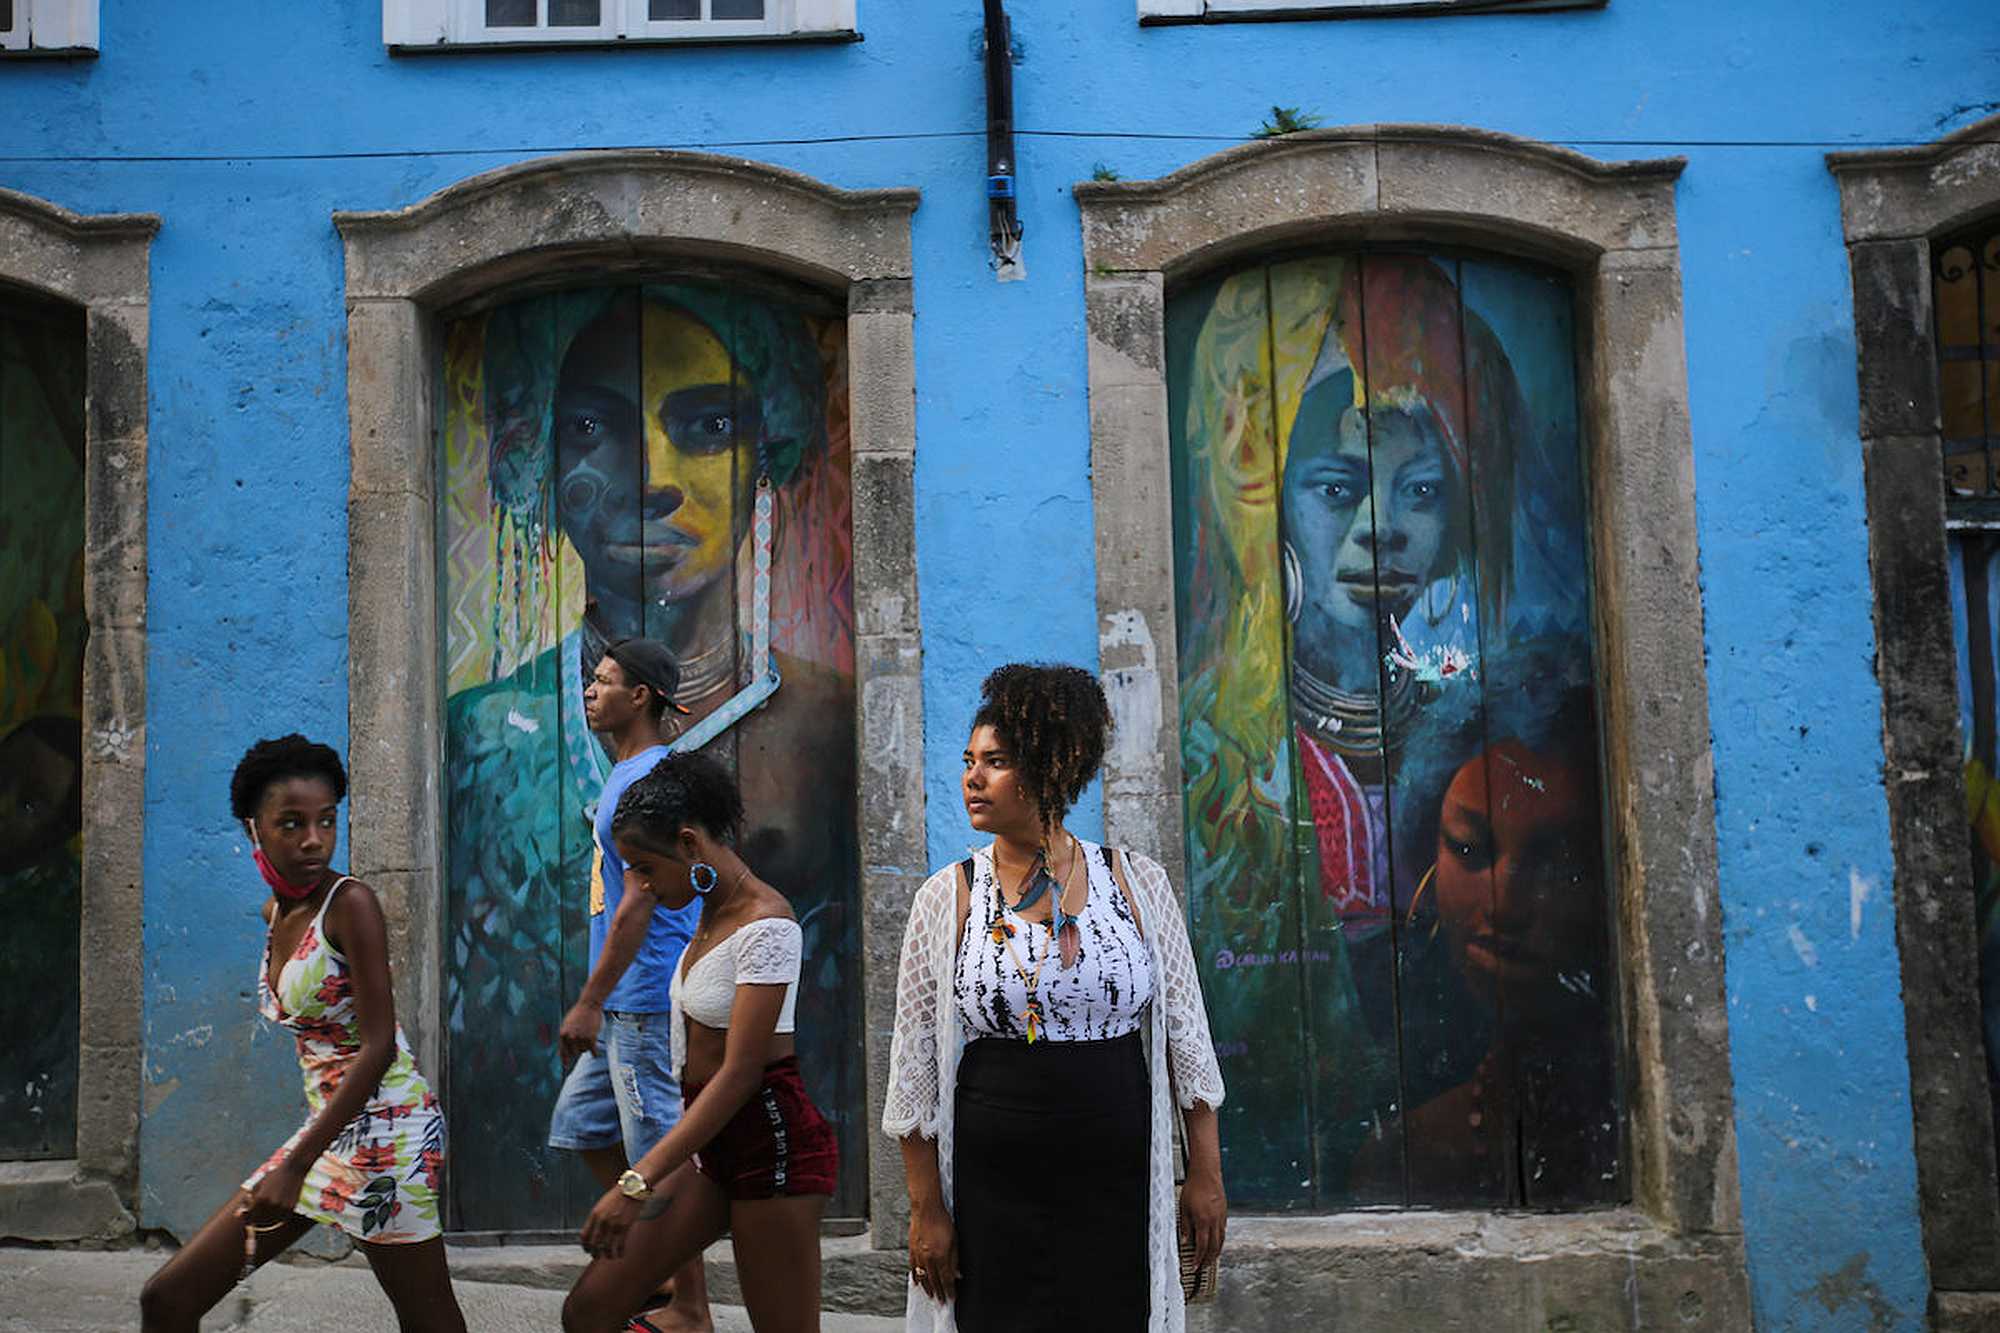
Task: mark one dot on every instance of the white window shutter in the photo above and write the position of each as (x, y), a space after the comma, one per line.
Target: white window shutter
(1176, 9)
(823, 15)
(414, 22)
(63, 25)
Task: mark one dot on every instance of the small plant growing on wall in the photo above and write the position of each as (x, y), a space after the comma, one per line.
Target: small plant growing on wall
(1100, 172)
(1286, 120)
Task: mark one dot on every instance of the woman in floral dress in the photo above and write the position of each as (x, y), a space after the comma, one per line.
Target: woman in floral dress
(369, 1157)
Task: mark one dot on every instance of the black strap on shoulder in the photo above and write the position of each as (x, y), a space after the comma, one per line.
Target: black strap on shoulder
(1117, 873)
(962, 885)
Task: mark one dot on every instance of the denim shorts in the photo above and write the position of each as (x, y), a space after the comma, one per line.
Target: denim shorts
(624, 1091)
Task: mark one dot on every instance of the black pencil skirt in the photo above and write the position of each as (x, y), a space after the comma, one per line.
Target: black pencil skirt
(1050, 1154)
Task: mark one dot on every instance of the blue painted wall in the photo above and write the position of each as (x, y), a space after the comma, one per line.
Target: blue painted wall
(245, 124)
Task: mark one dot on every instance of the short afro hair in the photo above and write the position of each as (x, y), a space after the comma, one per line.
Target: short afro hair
(682, 789)
(1056, 721)
(274, 760)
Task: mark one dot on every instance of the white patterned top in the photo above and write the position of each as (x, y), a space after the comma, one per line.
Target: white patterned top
(924, 1051)
(1102, 995)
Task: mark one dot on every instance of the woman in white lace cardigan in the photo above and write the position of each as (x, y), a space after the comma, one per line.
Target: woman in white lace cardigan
(1047, 1008)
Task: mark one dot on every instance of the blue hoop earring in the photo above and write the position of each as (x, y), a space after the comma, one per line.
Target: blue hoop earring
(702, 878)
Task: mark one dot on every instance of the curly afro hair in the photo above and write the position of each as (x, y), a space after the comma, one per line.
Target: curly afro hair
(1055, 720)
(682, 789)
(270, 761)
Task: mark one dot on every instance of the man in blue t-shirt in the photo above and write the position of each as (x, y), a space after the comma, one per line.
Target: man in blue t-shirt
(621, 1096)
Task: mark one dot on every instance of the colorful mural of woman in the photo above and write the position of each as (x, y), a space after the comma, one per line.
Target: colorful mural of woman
(1370, 507)
(604, 450)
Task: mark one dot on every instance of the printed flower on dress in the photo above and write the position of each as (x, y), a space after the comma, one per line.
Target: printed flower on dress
(325, 1031)
(374, 1158)
(431, 1163)
(335, 1195)
(334, 989)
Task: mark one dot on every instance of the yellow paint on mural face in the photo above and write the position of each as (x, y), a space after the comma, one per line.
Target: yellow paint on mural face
(656, 448)
(699, 446)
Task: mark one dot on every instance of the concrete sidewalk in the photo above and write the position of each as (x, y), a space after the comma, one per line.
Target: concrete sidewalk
(97, 1291)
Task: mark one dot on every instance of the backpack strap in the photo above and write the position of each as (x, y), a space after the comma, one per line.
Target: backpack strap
(1114, 861)
(964, 903)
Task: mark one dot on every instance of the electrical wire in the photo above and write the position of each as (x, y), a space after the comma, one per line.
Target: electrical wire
(540, 150)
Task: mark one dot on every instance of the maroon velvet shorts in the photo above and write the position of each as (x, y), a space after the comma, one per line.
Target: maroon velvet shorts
(778, 1144)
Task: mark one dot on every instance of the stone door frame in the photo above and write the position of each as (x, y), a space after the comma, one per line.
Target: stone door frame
(1893, 205)
(1611, 227)
(101, 265)
(586, 217)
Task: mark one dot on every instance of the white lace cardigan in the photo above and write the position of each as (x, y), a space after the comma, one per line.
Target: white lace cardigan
(923, 1060)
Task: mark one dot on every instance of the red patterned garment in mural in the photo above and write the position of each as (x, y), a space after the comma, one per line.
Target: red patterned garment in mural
(1349, 826)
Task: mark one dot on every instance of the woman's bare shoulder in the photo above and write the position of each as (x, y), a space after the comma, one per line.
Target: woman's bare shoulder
(769, 904)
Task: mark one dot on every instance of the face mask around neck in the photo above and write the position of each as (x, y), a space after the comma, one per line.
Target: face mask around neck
(281, 886)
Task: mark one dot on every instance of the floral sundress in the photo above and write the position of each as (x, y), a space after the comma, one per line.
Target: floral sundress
(378, 1180)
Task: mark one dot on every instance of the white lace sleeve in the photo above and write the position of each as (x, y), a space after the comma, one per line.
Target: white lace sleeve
(767, 952)
(912, 1100)
(1190, 1050)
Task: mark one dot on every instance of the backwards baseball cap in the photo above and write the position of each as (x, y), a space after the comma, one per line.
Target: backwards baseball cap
(650, 664)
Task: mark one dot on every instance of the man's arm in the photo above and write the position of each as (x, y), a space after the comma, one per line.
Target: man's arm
(621, 945)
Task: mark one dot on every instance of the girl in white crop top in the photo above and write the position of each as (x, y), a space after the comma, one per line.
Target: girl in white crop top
(751, 1154)
(763, 952)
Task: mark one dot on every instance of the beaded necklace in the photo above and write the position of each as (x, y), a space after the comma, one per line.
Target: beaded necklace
(1059, 921)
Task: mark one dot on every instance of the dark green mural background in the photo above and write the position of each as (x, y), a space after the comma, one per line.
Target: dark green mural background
(1397, 883)
(42, 629)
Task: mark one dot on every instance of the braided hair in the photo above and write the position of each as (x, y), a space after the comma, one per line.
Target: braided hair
(274, 760)
(1055, 721)
(682, 789)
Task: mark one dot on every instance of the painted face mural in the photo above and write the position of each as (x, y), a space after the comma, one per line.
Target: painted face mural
(602, 453)
(1378, 526)
(42, 632)
(649, 491)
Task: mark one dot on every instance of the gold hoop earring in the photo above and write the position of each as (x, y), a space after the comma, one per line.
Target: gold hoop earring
(1423, 887)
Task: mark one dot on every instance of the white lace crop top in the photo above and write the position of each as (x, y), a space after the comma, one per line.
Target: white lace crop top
(764, 952)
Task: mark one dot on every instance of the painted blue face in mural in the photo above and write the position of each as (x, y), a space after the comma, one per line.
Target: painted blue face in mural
(1368, 514)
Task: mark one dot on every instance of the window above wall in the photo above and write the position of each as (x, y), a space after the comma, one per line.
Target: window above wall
(420, 25)
(1227, 11)
(48, 27)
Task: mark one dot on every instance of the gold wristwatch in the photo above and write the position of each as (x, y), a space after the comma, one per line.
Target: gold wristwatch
(633, 1186)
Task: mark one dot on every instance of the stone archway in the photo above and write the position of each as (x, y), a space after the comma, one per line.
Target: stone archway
(597, 216)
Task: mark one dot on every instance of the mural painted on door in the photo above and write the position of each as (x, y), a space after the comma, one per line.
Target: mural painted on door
(600, 451)
(1965, 291)
(42, 631)
(1397, 881)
